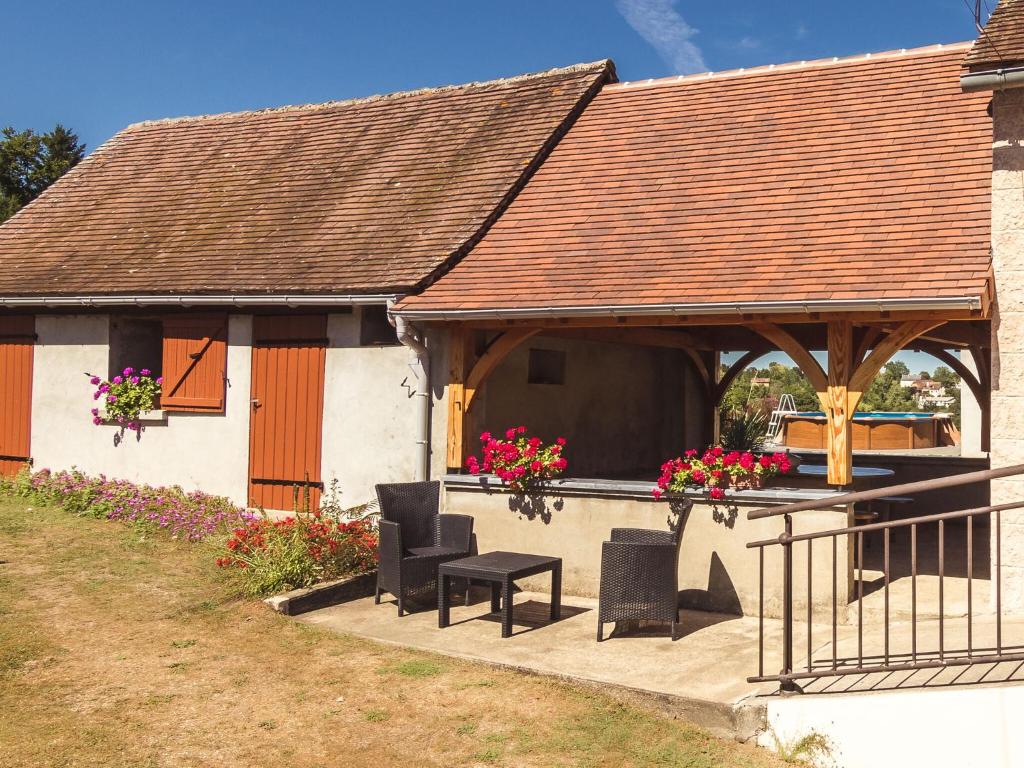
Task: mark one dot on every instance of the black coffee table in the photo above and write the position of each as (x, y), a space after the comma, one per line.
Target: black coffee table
(501, 569)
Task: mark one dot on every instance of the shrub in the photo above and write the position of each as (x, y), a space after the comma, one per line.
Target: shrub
(299, 550)
(745, 430)
(519, 460)
(190, 516)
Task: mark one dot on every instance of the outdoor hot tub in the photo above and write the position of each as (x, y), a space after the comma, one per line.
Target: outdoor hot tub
(873, 430)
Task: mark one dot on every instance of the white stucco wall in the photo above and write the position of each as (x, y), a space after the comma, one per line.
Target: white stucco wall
(970, 414)
(208, 452)
(369, 414)
(967, 727)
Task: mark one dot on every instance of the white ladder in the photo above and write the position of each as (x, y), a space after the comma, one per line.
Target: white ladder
(786, 405)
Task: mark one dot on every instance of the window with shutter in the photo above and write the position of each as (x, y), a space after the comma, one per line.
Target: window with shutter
(195, 363)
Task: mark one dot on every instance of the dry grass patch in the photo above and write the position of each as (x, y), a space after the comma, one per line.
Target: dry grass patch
(120, 648)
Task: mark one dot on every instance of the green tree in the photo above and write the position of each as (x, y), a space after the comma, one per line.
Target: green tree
(30, 162)
(886, 393)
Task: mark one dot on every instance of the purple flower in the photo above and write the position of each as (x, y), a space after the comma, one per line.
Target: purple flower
(94, 380)
(145, 372)
(117, 380)
(159, 379)
(97, 420)
(95, 411)
(111, 398)
(96, 395)
(104, 387)
(128, 371)
(134, 379)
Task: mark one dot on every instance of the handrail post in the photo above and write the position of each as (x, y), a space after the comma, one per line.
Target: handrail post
(786, 540)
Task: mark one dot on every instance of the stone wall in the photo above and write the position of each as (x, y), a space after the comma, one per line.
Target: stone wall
(1008, 329)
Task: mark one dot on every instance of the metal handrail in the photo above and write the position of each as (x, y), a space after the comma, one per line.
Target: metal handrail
(788, 675)
(917, 486)
(903, 523)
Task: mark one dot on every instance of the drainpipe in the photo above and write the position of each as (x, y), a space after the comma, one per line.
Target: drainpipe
(410, 336)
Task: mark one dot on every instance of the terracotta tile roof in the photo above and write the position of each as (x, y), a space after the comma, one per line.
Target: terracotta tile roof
(1002, 42)
(841, 180)
(367, 196)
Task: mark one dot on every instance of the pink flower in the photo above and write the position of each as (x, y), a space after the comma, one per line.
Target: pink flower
(656, 493)
(159, 379)
(510, 433)
(536, 466)
(716, 493)
(560, 441)
(145, 372)
(521, 430)
(485, 437)
(117, 380)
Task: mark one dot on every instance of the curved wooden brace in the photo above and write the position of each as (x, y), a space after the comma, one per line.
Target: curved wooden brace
(782, 339)
(735, 370)
(979, 390)
(899, 338)
(871, 336)
(702, 369)
(499, 349)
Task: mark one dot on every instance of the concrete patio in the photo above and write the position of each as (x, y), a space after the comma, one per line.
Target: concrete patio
(701, 676)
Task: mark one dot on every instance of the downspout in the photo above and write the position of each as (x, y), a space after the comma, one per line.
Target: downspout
(410, 336)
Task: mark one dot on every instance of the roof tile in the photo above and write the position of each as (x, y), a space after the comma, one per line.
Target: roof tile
(863, 178)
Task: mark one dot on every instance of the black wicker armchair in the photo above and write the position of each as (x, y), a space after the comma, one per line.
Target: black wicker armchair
(639, 577)
(415, 539)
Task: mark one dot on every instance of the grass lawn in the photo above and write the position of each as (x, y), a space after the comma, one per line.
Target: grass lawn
(120, 648)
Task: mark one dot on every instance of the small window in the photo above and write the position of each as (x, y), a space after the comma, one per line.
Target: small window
(136, 343)
(374, 328)
(547, 366)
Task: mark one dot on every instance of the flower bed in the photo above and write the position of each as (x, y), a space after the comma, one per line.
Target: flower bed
(519, 460)
(717, 469)
(190, 516)
(298, 551)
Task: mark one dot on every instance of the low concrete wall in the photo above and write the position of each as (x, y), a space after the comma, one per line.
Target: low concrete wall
(716, 570)
(965, 727)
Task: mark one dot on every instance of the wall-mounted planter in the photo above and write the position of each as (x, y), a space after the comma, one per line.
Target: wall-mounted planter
(153, 418)
(322, 595)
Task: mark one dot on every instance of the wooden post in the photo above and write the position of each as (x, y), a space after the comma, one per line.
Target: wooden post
(457, 364)
(839, 419)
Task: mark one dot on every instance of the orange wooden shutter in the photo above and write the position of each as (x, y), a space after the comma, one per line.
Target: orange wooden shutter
(17, 341)
(195, 363)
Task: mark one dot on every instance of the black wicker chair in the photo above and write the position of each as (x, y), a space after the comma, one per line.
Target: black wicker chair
(415, 539)
(639, 577)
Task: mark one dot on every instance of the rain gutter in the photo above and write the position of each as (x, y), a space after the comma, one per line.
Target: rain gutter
(971, 303)
(299, 300)
(993, 79)
(419, 363)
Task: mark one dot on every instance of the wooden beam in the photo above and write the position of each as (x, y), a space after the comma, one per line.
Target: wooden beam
(644, 337)
(869, 338)
(735, 370)
(838, 411)
(983, 362)
(499, 349)
(782, 339)
(655, 321)
(458, 361)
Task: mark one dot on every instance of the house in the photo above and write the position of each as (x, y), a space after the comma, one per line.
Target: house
(250, 258)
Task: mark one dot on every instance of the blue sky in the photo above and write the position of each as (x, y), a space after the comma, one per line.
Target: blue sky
(98, 66)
